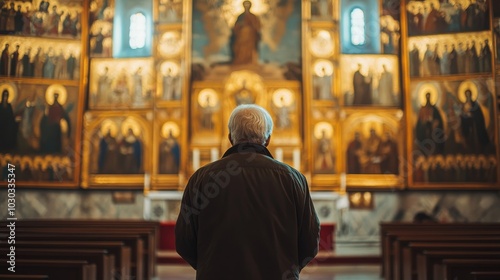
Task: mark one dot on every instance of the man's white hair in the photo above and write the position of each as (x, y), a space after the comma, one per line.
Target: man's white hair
(250, 123)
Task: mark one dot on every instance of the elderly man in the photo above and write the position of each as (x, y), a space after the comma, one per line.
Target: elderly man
(247, 216)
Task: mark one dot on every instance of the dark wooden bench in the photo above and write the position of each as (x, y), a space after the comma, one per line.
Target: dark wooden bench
(148, 230)
(104, 262)
(135, 242)
(23, 277)
(118, 249)
(427, 260)
(420, 247)
(485, 275)
(391, 232)
(55, 269)
(461, 269)
(406, 260)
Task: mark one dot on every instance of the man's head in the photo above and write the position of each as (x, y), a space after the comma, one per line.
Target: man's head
(250, 123)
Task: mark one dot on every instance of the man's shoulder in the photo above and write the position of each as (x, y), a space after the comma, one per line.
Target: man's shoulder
(247, 161)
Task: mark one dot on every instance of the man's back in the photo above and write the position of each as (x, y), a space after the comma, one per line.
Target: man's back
(247, 216)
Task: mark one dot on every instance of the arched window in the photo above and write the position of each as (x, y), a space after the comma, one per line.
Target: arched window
(357, 27)
(137, 31)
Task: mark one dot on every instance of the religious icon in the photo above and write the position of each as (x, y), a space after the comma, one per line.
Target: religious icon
(390, 34)
(103, 87)
(138, 90)
(429, 120)
(122, 83)
(26, 173)
(101, 15)
(372, 146)
(322, 44)
(40, 121)
(475, 134)
(360, 200)
(321, 10)
(117, 152)
(101, 10)
(109, 157)
(121, 88)
(170, 11)
(372, 165)
(34, 58)
(28, 109)
(50, 20)
(362, 87)
(246, 35)
(244, 95)
(453, 129)
(169, 161)
(283, 105)
(208, 102)
(322, 80)
(374, 81)
(101, 39)
(130, 147)
(354, 152)
(496, 31)
(433, 17)
(450, 54)
(170, 44)
(243, 87)
(171, 81)
(8, 126)
(4, 61)
(324, 162)
(55, 125)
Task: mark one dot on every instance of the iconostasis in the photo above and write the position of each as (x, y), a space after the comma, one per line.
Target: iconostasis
(129, 94)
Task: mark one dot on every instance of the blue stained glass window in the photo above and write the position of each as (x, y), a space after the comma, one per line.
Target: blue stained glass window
(133, 28)
(137, 31)
(357, 27)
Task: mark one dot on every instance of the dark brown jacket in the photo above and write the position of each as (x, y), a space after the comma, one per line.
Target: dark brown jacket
(247, 216)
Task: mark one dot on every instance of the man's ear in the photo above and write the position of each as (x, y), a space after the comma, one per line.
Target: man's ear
(267, 141)
(229, 137)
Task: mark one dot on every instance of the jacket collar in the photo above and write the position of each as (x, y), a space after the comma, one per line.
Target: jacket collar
(247, 148)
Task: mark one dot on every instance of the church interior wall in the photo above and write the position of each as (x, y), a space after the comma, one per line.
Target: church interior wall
(351, 224)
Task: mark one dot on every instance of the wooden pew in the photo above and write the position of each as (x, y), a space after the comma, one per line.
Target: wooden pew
(485, 275)
(461, 269)
(389, 232)
(149, 230)
(419, 247)
(428, 259)
(406, 260)
(104, 262)
(55, 269)
(133, 241)
(118, 249)
(23, 277)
